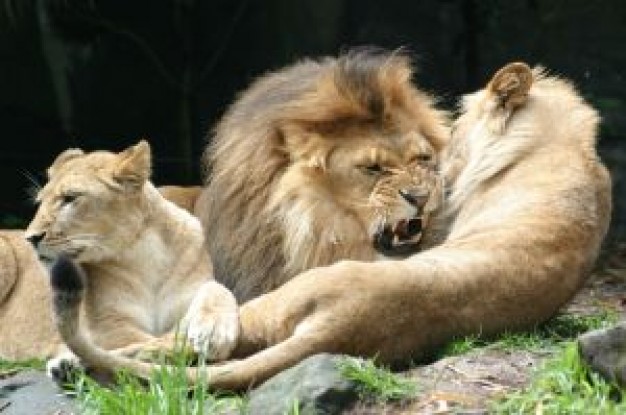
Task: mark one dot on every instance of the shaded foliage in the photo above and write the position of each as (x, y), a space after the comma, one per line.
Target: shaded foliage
(101, 74)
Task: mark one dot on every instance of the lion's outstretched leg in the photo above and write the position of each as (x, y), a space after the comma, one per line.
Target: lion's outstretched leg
(68, 289)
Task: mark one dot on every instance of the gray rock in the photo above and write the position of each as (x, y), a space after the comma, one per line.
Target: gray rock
(314, 386)
(604, 350)
(32, 392)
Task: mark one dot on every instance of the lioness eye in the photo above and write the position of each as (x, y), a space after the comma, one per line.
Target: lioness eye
(66, 199)
(423, 157)
(374, 168)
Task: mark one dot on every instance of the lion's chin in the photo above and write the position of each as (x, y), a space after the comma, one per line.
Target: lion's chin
(401, 239)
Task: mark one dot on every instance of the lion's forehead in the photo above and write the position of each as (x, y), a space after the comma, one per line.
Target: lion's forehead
(393, 153)
(72, 181)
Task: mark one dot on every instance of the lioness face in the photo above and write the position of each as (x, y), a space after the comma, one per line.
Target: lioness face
(385, 181)
(90, 208)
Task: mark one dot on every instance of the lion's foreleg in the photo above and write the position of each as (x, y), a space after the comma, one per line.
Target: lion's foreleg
(211, 324)
(241, 374)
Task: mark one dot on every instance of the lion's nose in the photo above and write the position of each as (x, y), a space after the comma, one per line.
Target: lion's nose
(36, 238)
(414, 197)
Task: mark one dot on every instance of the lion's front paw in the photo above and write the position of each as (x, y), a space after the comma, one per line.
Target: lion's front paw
(214, 336)
(64, 368)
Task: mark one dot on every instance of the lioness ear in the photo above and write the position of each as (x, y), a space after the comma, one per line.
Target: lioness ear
(508, 90)
(62, 159)
(134, 165)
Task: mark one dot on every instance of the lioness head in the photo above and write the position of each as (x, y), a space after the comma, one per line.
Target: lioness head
(92, 205)
(322, 161)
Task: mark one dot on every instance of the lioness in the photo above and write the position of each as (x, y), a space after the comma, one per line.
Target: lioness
(531, 206)
(28, 330)
(184, 197)
(144, 257)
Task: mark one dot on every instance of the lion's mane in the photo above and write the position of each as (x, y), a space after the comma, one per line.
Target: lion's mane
(247, 156)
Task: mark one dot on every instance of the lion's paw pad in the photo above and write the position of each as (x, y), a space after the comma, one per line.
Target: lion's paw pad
(214, 337)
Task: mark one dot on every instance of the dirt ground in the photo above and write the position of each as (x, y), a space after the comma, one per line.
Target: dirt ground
(465, 384)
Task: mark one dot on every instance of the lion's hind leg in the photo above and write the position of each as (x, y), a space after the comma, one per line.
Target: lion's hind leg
(255, 369)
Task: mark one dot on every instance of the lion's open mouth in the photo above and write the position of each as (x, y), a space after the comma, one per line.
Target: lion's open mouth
(399, 239)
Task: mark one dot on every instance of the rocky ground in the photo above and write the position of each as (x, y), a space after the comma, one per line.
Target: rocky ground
(462, 384)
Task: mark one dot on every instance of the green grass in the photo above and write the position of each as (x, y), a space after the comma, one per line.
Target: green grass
(547, 336)
(167, 392)
(564, 385)
(7, 366)
(377, 382)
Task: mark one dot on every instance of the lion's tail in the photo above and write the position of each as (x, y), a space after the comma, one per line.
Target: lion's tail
(68, 285)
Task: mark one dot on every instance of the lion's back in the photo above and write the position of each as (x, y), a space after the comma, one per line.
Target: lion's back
(25, 305)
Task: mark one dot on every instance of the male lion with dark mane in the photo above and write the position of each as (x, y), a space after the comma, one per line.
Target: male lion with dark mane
(315, 161)
(530, 204)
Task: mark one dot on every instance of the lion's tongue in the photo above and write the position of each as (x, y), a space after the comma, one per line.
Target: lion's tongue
(400, 230)
(407, 229)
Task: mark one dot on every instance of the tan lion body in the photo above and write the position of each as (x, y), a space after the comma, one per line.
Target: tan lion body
(144, 257)
(28, 329)
(531, 206)
(25, 302)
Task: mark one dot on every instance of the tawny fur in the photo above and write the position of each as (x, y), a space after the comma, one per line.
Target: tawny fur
(184, 197)
(285, 193)
(28, 329)
(25, 302)
(521, 243)
(145, 259)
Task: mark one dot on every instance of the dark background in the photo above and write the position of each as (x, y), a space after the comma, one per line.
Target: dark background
(102, 74)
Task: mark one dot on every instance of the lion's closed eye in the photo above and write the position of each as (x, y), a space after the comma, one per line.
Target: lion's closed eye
(373, 169)
(69, 197)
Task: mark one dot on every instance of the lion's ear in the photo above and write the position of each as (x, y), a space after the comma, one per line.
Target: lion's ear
(508, 90)
(134, 165)
(305, 145)
(62, 159)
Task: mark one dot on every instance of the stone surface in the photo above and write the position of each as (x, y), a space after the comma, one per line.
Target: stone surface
(31, 392)
(314, 386)
(605, 351)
